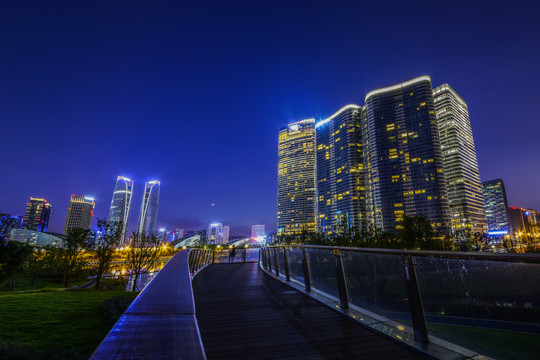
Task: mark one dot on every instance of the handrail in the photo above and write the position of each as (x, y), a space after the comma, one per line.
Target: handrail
(274, 261)
(427, 253)
(160, 323)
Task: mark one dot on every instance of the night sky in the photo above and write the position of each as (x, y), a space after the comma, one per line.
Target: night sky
(193, 94)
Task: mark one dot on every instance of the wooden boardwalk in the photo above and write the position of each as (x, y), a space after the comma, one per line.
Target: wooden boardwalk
(245, 314)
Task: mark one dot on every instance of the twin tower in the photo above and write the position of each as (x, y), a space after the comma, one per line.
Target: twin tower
(121, 204)
(408, 151)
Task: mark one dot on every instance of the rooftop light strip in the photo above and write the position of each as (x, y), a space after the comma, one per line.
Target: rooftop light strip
(346, 107)
(397, 86)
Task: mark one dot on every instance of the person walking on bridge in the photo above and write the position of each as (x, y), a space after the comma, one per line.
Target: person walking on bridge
(232, 254)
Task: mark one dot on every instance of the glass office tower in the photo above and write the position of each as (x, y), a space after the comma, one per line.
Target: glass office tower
(121, 202)
(80, 213)
(340, 172)
(465, 199)
(296, 209)
(149, 207)
(38, 213)
(496, 205)
(403, 155)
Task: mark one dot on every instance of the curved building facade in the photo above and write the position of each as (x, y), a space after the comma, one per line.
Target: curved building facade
(296, 210)
(121, 202)
(465, 199)
(149, 207)
(404, 157)
(340, 172)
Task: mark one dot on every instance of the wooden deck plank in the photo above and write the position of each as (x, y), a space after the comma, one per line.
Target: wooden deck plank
(245, 314)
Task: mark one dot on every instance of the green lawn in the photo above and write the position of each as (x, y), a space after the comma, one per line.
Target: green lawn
(498, 344)
(25, 283)
(56, 321)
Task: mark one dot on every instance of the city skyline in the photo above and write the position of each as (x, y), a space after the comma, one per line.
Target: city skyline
(227, 114)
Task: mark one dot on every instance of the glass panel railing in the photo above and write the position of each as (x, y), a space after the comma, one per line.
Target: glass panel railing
(322, 270)
(280, 260)
(252, 255)
(376, 283)
(472, 302)
(295, 262)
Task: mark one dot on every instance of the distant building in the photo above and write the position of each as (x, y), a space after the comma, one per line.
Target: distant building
(296, 209)
(38, 213)
(121, 202)
(149, 207)
(258, 231)
(496, 205)
(80, 213)
(16, 221)
(214, 234)
(465, 199)
(226, 234)
(524, 221)
(403, 156)
(341, 188)
(178, 234)
(36, 238)
(517, 219)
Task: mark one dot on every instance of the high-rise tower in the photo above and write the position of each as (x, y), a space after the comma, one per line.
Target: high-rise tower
(80, 213)
(496, 204)
(341, 199)
(38, 212)
(296, 210)
(403, 156)
(465, 199)
(149, 207)
(121, 202)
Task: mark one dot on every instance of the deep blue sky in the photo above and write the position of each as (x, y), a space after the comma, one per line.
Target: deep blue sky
(193, 93)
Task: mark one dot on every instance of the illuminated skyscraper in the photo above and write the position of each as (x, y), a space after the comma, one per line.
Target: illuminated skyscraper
(496, 205)
(296, 210)
(214, 234)
(226, 234)
(341, 198)
(149, 207)
(121, 202)
(38, 212)
(80, 213)
(465, 199)
(403, 155)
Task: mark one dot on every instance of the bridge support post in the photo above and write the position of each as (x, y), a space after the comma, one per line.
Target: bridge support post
(341, 281)
(269, 260)
(305, 265)
(245, 251)
(415, 300)
(275, 262)
(286, 265)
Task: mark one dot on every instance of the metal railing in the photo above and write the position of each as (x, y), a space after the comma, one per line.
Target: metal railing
(419, 288)
(243, 255)
(198, 259)
(160, 323)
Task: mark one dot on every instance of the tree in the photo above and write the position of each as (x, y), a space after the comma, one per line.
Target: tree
(418, 233)
(142, 254)
(12, 258)
(6, 224)
(72, 253)
(105, 245)
(36, 264)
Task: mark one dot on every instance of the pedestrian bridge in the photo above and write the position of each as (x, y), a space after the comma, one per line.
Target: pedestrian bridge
(291, 303)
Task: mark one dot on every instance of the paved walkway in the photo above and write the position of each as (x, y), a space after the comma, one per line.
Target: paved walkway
(245, 314)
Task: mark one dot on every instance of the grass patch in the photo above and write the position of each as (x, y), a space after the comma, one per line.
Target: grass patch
(58, 321)
(25, 283)
(498, 344)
